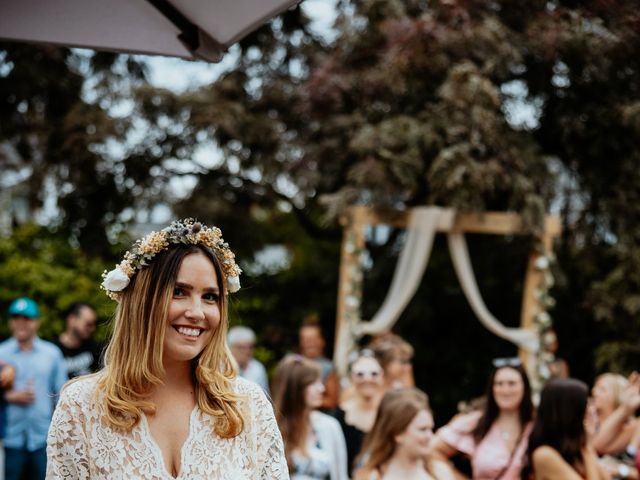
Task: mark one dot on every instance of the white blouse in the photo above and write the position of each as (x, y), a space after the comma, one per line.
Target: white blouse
(82, 446)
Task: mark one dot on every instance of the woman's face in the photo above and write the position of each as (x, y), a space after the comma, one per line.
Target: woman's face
(508, 388)
(398, 368)
(603, 396)
(415, 439)
(367, 377)
(313, 394)
(194, 311)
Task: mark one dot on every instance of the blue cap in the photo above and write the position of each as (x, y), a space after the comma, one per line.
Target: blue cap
(25, 307)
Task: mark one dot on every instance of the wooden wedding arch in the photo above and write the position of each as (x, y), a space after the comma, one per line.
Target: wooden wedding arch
(533, 319)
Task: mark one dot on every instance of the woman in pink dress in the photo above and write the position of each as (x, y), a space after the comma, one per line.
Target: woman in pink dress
(494, 438)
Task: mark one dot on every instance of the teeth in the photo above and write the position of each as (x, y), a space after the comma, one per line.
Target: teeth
(192, 332)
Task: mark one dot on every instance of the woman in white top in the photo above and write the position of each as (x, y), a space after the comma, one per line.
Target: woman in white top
(168, 403)
(314, 443)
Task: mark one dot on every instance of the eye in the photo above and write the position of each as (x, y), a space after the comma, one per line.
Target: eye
(211, 297)
(178, 292)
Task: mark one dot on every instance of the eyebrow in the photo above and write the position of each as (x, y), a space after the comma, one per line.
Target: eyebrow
(190, 287)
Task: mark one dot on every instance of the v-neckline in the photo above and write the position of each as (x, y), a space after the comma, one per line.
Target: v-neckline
(157, 452)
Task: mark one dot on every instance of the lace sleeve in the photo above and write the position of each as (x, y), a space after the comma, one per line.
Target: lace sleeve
(272, 464)
(66, 444)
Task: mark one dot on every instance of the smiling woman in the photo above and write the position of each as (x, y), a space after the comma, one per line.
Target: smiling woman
(168, 403)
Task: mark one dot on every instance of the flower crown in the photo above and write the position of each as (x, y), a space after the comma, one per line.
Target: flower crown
(186, 232)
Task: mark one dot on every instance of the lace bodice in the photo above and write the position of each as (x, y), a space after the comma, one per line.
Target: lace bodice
(82, 446)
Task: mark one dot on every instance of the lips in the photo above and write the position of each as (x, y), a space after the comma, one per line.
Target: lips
(191, 332)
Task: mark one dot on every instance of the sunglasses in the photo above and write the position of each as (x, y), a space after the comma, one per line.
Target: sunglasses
(366, 373)
(506, 362)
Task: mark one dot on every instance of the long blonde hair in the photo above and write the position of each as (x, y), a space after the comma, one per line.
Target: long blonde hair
(396, 411)
(133, 358)
(293, 375)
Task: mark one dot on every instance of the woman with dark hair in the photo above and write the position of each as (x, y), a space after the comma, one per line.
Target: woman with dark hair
(495, 438)
(558, 447)
(168, 403)
(313, 441)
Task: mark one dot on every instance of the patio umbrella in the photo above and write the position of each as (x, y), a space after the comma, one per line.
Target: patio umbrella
(191, 29)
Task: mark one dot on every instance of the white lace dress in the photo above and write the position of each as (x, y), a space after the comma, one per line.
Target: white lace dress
(82, 446)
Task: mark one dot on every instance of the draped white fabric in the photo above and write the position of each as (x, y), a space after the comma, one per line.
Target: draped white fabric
(422, 227)
(526, 339)
(423, 224)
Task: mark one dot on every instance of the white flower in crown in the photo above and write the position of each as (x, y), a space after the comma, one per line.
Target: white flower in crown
(115, 280)
(542, 263)
(233, 284)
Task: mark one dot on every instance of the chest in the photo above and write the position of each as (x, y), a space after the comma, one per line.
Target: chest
(169, 428)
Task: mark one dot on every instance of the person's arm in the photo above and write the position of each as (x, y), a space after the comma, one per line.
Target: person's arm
(67, 449)
(604, 440)
(440, 453)
(270, 459)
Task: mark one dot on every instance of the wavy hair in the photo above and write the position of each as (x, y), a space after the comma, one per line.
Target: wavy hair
(293, 375)
(396, 411)
(133, 358)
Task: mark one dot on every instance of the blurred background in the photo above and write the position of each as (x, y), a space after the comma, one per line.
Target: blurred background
(526, 106)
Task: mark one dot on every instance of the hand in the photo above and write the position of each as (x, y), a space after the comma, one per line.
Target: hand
(631, 394)
(20, 397)
(7, 375)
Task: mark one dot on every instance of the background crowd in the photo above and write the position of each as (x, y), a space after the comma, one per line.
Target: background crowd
(373, 425)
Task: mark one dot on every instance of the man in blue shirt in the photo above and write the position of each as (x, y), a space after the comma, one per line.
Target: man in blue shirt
(40, 374)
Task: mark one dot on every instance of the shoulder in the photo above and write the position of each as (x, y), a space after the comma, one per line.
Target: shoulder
(80, 391)
(545, 455)
(49, 348)
(245, 387)
(323, 421)
(7, 344)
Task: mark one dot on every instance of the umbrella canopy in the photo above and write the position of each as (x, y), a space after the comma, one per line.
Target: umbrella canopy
(191, 29)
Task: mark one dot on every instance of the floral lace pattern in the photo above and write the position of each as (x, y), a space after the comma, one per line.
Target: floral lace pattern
(82, 446)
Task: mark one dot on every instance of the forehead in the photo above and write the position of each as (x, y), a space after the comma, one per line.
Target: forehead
(367, 363)
(507, 374)
(197, 267)
(422, 419)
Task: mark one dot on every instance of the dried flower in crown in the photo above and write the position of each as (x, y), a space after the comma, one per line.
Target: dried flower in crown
(187, 232)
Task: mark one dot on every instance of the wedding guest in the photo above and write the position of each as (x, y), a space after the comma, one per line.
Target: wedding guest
(314, 444)
(311, 345)
(494, 438)
(242, 341)
(558, 446)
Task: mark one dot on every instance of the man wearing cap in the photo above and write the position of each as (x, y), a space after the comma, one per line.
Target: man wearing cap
(40, 375)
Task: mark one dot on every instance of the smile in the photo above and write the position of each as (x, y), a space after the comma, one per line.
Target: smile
(189, 332)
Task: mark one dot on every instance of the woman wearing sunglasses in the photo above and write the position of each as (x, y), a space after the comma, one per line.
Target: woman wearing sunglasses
(495, 438)
(357, 412)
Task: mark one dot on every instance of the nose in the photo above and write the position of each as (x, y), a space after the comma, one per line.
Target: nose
(195, 311)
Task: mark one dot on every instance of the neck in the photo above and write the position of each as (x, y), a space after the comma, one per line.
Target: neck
(177, 375)
(368, 403)
(25, 344)
(403, 461)
(509, 415)
(70, 340)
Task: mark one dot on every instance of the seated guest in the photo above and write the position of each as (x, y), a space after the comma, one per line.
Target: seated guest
(494, 439)
(241, 342)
